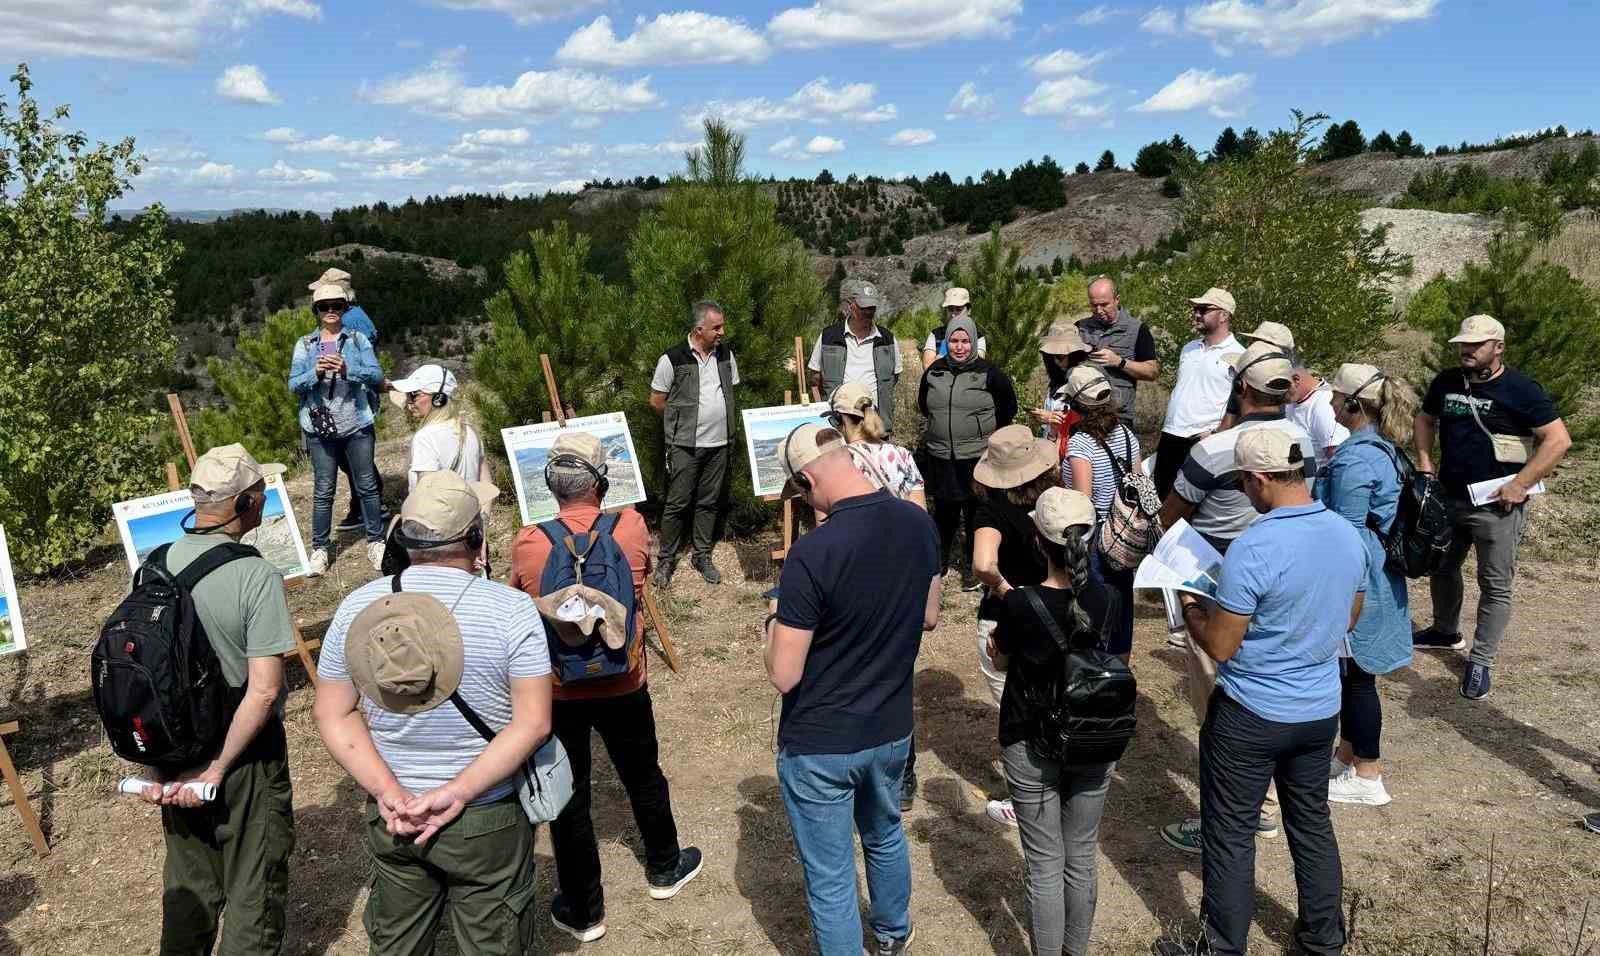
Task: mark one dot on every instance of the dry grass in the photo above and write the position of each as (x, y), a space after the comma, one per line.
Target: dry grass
(1577, 248)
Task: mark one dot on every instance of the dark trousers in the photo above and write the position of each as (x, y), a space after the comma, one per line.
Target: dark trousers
(231, 855)
(627, 726)
(1360, 710)
(697, 479)
(1170, 453)
(353, 514)
(949, 516)
(1240, 753)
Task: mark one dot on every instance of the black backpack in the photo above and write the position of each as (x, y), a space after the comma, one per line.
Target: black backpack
(1424, 525)
(1087, 715)
(156, 679)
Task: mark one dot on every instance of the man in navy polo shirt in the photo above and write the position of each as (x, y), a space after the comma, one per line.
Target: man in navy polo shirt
(854, 598)
(1289, 592)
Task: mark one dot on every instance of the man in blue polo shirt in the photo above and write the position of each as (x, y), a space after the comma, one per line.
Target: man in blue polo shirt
(1289, 592)
(854, 598)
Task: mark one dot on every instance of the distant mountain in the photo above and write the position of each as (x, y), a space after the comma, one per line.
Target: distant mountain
(208, 215)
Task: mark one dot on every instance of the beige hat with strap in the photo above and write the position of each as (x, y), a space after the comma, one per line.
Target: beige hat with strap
(404, 652)
(1014, 457)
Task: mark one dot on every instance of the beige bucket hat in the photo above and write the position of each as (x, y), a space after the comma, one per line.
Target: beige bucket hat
(404, 653)
(1015, 457)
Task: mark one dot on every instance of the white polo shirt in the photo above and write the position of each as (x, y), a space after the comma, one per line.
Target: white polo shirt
(711, 422)
(858, 366)
(1315, 415)
(1205, 379)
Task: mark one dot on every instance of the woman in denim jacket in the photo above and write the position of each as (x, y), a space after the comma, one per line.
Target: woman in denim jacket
(1362, 482)
(334, 373)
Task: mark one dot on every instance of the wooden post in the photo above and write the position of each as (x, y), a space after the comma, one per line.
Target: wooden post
(658, 621)
(172, 477)
(19, 796)
(182, 422)
(561, 411)
(800, 372)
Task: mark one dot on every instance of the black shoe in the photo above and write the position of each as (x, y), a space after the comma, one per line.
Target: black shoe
(1592, 823)
(584, 931)
(1475, 683)
(908, 792)
(707, 570)
(895, 947)
(1433, 637)
(1166, 947)
(662, 576)
(351, 522)
(666, 884)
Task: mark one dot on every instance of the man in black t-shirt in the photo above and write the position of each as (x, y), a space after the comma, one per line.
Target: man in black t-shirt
(854, 598)
(1494, 424)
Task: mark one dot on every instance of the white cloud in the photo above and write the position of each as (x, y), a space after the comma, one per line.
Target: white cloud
(281, 134)
(173, 154)
(969, 103)
(1063, 62)
(898, 23)
(400, 169)
(282, 172)
(1065, 96)
(440, 89)
(789, 148)
(151, 30)
(490, 141)
(1160, 21)
(523, 188)
(671, 39)
(334, 143)
(523, 12)
(674, 148)
(1193, 89)
(245, 83)
(822, 145)
(818, 101)
(214, 173)
(1284, 26)
(912, 137)
(1097, 15)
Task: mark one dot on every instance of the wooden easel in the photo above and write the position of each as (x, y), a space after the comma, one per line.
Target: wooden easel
(654, 619)
(303, 647)
(790, 517)
(19, 796)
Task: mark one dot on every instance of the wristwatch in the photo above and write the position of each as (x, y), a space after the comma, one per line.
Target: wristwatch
(1122, 365)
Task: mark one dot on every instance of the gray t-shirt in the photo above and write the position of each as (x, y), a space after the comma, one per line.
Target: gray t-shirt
(501, 638)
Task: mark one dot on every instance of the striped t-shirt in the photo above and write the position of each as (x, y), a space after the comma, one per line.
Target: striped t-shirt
(501, 638)
(1124, 443)
(1211, 482)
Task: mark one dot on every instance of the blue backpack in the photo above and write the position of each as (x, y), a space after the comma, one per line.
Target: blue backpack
(595, 556)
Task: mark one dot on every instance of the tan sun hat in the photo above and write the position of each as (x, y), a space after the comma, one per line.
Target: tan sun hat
(1222, 299)
(336, 277)
(956, 297)
(446, 504)
(581, 445)
(805, 445)
(1353, 379)
(1065, 341)
(1480, 328)
(1087, 385)
(1267, 449)
(404, 653)
(226, 471)
(1059, 509)
(852, 398)
(327, 291)
(1015, 457)
(1265, 367)
(1273, 332)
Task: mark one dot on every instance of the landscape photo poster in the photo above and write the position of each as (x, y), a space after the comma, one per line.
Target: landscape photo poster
(764, 430)
(528, 448)
(12, 639)
(147, 523)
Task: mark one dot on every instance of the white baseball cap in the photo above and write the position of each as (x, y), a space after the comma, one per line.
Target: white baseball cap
(428, 378)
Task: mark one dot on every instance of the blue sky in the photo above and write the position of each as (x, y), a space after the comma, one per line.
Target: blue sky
(319, 103)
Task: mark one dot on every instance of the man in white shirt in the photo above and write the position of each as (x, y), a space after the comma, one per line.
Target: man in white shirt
(1205, 379)
(857, 349)
(1310, 406)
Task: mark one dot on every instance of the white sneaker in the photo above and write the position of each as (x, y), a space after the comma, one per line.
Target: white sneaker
(375, 554)
(317, 564)
(1336, 767)
(1350, 787)
(1001, 811)
(1177, 639)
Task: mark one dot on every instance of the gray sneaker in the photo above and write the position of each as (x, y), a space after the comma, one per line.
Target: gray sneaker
(895, 947)
(662, 576)
(1592, 823)
(1475, 683)
(1183, 836)
(707, 570)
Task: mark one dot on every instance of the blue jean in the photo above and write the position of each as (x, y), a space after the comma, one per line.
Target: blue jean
(357, 447)
(829, 797)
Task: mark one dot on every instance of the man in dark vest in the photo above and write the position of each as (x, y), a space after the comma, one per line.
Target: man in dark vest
(692, 391)
(1121, 344)
(856, 349)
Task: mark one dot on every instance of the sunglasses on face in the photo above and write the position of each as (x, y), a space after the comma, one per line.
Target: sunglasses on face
(340, 307)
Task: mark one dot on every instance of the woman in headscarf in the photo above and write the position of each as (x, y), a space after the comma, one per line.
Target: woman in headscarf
(964, 399)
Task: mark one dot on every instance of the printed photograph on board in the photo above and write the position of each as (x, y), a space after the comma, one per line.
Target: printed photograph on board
(12, 639)
(528, 448)
(147, 523)
(764, 430)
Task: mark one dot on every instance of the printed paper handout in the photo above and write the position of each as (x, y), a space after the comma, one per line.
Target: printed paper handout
(1182, 561)
(11, 636)
(528, 448)
(764, 430)
(1482, 492)
(147, 523)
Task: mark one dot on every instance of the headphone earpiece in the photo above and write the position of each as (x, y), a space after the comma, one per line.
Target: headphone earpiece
(602, 484)
(440, 399)
(243, 504)
(798, 477)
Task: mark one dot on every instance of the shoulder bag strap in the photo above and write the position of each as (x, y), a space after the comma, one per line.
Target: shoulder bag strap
(471, 716)
(461, 444)
(1473, 408)
(1121, 472)
(1050, 625)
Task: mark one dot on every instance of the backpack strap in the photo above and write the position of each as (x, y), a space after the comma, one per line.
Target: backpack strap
(1050, 625)
(555, 531)
(1115, 466)
(213, 559)
(606, 524)
(394, 584)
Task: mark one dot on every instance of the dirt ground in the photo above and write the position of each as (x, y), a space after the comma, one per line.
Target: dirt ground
(1519, 769)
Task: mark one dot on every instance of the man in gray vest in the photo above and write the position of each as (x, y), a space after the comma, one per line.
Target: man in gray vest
(692, 391)
(856, 349)
(1121, 344)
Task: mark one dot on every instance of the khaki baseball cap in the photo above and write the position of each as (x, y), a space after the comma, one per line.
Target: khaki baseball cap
(1015, 456)
(1353, 380)
(805, 445)
(1087, 385)
(1273, 332)
(1265, 367)
(404, 653)
(1222, 299)
(863, 293)
(446, 504)
(328, 291)
(1059, 510)
(1267, 449)
(1480, 328)
(580, 445)
(226, 471)
(1065, 341)
(955, 297)
(852, 398)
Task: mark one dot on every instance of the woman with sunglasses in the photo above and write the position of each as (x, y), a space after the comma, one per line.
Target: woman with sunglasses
(334, 372)
(854, 413)
(443, 440)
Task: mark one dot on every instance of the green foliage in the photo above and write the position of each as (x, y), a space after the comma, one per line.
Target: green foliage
(1009, 304)
(1469, 188)
(401, 295)
(1082, 169)
(1057, 267)
(1227, 145)
(1106, 163)
(1381, 143)
(921, 274)
(260, 412)
(1342, 140)
(85, 332)
(1163, 158)
(995, 197)
(1405, 148)
(824, 178)
(1288, 247)
(719, 159)
(1552, 320)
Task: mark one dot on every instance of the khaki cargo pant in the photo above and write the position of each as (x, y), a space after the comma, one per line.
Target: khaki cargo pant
(231, 854)
(481, 864)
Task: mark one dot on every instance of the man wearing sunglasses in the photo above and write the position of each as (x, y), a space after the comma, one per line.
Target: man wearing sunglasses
(1205, 380)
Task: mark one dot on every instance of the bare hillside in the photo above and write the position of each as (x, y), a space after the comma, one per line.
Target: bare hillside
(1383, 177)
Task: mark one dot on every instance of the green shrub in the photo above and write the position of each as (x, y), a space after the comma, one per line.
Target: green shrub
(921, 274)
(1009, 304)
(85, 333)
(259, 411)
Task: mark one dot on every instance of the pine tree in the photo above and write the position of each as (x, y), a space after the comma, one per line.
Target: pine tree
(1249, 143)
(1226, 146)
(1082, 169)
(1383, 143)
(1107, 163)
(1404, 147)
